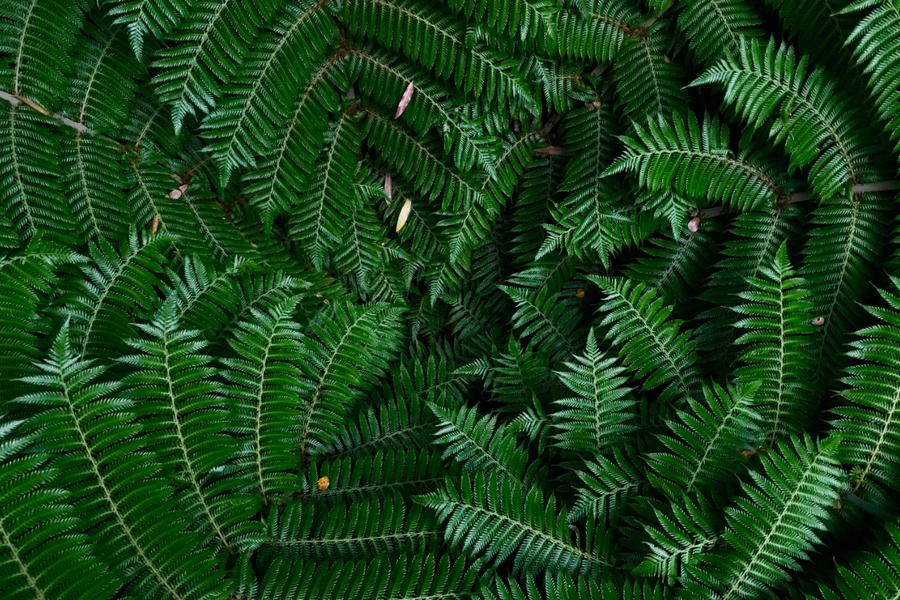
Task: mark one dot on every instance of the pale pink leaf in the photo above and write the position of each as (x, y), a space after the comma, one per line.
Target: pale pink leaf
(388, 186)
(177, 192)
(405, 99)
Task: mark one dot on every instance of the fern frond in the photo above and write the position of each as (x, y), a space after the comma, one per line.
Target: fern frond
(142, 18)
(264, 382)
(593, 219)
(213, 300)
(549, 322)
(524, 19)
(204, 52)
(517, 376)
(363, 255)
(36, 39)
(438, 43)
(869, 424)
(599, 415)
(93, 437)
(30, 190)
(842, 249)
(877, 49)
(330, 197)
(43, 553)
(523, 524)
(26, 278)
(378, 474)
(98, 100)
(647, 82)
(819, 127)
(775, 523)
(286, 168)
(420, 165)
(202, 226)
(675, 266)
(242, 126)
(357, 529)
(344, 351)
(688, 528)
(596, 30)
(753, 240)
(716, 27)
(636, 321)
(607, 486)
(696, 160)
(119, 287)
(405, 577)
(478, 443)
(186, 425)
(401, 418)
(432, 107)
(94, 181)
(873, 574)
(776, 315)
(703, 445)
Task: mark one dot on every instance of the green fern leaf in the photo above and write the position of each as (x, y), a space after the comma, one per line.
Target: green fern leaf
(637, 322)
(774, 525)
(600, 413)
(524, 524)
(870, 423)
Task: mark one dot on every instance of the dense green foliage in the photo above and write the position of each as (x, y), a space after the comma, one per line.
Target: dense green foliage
(459, 299)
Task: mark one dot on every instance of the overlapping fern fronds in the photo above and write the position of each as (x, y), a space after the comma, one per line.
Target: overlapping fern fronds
(475, 299)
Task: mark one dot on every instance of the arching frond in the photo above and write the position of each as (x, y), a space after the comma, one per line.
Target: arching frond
(351, 530)
(549, 322)
(26, 278)
(869, 424)
(186, 425)
(204, 52)
(525, 525)
(438, 42)
(686, 529)
(30, 177)
(119, 287)
(91, 434)
(877, 49)
(43, 553)
(790, 498)
(397, 578)
(242, 126)
(477, 443)
(286, 168)
(636, 320)
(346, 349)
(716, 27)
(607, 486)
(874, 574)
(819, 127)
(143, 18)
(373, 475)
(36, 39)
(330, 197)
(264, 383)
(704, 445)
(697, 160)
